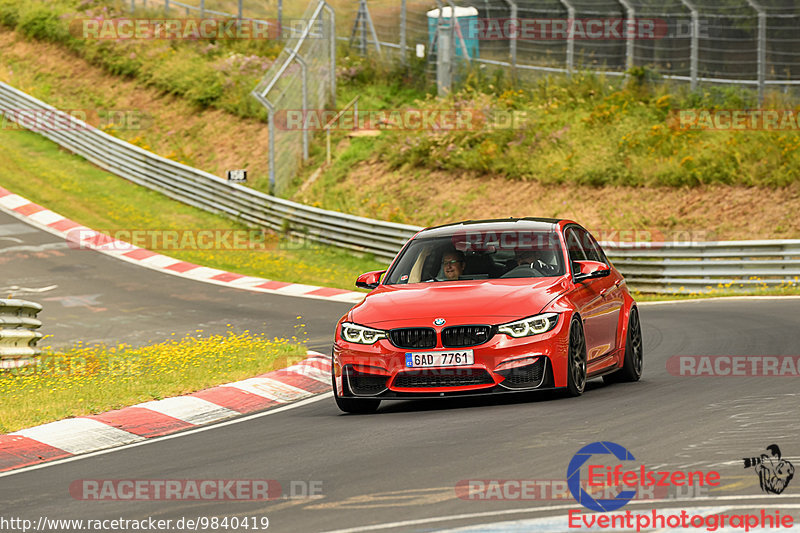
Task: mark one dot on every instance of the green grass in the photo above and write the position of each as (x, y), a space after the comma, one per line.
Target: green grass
(94, 379)
(218, 74)
(36, 169)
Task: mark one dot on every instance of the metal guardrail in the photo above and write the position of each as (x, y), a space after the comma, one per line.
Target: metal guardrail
(705, 266)
(649, 267)
(17, 338)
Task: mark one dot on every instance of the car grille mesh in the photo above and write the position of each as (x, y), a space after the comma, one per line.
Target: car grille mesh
(442, 377)
(413, 337)
(461, 336)
(524, 376)
(365, 384)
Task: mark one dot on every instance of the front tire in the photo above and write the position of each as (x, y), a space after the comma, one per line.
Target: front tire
(576, 359)
(359, 406)
(634, 354)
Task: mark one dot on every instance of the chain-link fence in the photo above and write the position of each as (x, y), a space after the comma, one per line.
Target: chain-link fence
(743, 42)
(302, 77)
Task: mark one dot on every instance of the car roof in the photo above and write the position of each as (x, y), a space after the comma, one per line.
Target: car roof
(497, 224)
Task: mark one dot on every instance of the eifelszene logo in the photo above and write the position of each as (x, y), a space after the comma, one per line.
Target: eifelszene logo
(774, 473)
(604, 475)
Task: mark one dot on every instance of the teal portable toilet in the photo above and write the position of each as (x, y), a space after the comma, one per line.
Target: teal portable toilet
(466, 29)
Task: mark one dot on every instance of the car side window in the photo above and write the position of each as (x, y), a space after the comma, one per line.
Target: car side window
(588, 244)
(574, 247)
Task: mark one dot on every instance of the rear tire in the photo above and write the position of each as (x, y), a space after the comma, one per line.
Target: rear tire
(359, 406)
(576, 359)
(631, 369)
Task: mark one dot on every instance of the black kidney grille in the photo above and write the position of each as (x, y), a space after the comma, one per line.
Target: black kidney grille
(442, 377)
(461, 336)
(413, 337)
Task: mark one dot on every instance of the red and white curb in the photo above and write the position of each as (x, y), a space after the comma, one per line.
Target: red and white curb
(86, 434)
(83, 237)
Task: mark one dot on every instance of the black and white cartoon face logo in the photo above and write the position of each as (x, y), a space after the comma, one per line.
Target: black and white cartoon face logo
(774, 473)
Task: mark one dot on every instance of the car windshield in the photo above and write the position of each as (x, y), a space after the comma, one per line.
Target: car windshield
(479, 255)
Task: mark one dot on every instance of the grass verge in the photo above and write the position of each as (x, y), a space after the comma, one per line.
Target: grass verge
(93, 379)
(36, 169)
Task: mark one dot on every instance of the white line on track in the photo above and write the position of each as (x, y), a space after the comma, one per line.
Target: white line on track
(185, 433)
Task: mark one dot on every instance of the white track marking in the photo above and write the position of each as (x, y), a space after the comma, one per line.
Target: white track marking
(79, 435)
(186, 433)
(189, 409)
(270, 388)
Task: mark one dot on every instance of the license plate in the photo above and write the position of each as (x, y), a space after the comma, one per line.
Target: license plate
(450, 358)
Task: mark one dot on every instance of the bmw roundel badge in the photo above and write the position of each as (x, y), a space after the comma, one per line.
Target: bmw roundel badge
(438, 322)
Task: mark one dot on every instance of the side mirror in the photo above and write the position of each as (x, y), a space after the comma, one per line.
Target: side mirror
(582, 270)
(370, 280)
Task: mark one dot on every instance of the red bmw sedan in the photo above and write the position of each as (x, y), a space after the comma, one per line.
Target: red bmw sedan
(487, 307)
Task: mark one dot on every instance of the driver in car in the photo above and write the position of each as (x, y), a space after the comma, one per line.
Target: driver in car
(453, 265)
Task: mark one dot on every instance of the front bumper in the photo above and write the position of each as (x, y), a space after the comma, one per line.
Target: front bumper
(502, 365)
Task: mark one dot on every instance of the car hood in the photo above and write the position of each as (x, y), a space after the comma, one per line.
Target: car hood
(461, 302)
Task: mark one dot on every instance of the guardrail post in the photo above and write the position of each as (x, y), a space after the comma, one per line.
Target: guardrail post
(570, 36)
(762, 48)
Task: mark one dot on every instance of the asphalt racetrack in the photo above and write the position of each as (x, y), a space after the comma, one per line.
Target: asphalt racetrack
(397, 470)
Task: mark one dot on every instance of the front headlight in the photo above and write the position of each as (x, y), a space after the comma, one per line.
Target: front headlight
(361, 334)
(533, 325)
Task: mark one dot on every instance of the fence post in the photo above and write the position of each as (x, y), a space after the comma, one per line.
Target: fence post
(362, 11)
(280, 20)
(693, 61)
(570, 36)
(512, 46)
(304, 81)
(443, 62)
(630, 16)
(762, 48)
(403, 57)
(202, 9)
(166, 8)
(239, 11)
(332, 45)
